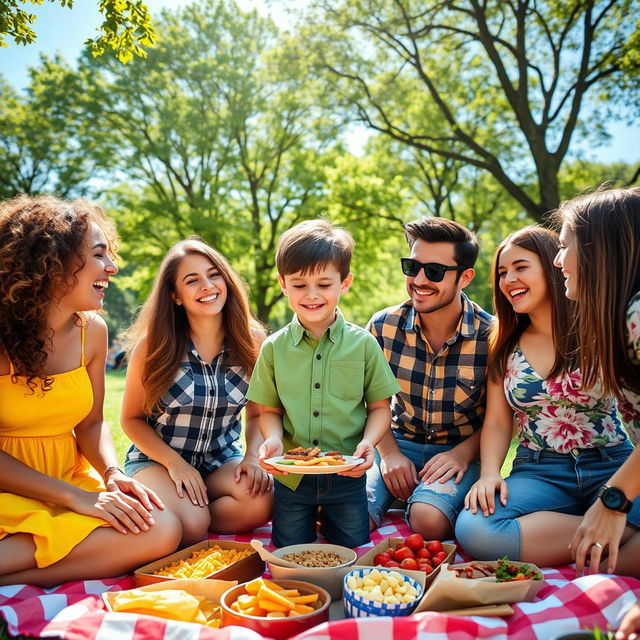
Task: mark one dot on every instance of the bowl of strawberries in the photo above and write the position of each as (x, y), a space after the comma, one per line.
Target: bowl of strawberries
(412, 553)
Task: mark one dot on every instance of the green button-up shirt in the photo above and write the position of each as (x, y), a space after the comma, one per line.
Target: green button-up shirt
(322, 385)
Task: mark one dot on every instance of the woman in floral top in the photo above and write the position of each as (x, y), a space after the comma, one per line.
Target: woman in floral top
(602, 230)
(571, 439)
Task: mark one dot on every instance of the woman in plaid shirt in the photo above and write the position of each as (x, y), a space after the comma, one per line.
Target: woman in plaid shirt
(196, 343)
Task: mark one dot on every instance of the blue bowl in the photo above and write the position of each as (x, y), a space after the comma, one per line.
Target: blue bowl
(357, 606)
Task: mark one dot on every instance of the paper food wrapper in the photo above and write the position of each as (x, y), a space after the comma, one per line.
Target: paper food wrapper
(448, 591)
(212, 590)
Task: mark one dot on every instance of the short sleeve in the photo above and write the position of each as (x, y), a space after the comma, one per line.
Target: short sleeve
(633, 326)
(262, 386)
(379, 381)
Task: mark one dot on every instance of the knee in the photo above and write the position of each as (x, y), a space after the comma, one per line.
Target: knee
(429, 521)
(487, 538)
(195, 524)
(166, 533)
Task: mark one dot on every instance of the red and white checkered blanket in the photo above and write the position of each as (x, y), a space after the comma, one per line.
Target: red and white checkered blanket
(74, 611)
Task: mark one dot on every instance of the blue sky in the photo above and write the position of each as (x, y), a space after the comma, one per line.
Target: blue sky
(63, 30)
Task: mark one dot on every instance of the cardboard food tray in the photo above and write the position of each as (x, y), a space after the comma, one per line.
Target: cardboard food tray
(425, 580)
(210, 589)
(448, 591)
(242, 570)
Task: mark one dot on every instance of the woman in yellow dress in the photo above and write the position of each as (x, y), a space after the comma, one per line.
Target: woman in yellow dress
(66, 511)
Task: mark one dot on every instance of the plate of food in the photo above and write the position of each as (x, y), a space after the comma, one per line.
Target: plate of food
(313, 460)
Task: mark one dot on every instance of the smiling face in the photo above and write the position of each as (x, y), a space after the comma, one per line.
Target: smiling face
(427, 296)
(314, 296)
(567, 260)
(522, 279)
(92, 279)
(199, 286)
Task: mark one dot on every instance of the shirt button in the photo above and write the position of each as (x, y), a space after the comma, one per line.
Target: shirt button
(318, 356)
(209, 413)
(212, 392)
(315, 442)
(575, 451)
(317, 385)
(316, 414)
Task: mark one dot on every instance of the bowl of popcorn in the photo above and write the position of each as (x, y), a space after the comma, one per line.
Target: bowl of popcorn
(379, 592)
(321, 564)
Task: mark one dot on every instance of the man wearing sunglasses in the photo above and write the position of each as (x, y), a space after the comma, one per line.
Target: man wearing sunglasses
(436, 345)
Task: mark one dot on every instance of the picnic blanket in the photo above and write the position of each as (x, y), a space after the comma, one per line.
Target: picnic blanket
(74, 611)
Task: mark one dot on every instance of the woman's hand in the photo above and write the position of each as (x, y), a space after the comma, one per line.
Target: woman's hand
(630, 625)
(185, 476)
(122, 511)
(118, 481)
(259, 480)
(600, 528)
(483, 492)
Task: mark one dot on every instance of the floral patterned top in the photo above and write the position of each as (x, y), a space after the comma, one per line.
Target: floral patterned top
(630, 405)
(557, 414)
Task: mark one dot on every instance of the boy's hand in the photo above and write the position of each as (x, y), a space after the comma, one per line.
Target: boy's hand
(270, 448)
(364, 450)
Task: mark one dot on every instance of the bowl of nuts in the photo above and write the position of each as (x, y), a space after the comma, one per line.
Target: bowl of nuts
(321, 564)
(379, 592)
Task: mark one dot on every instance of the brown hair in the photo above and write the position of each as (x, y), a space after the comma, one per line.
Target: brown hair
(314, 244)
(41, 244)
(436, 229)
(509, 325)
(607, 229)
(166, 326)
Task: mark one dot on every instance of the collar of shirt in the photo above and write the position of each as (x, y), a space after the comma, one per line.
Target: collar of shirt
(466, 324)
(298, 331)
(191, 348)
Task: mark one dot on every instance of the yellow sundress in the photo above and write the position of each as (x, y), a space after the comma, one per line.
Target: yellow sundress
(37, 429)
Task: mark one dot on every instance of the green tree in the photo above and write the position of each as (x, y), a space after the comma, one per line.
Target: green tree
(39, 148)
(518, 71)
(126, 29)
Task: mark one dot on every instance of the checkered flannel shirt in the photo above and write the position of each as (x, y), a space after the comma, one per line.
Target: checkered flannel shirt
(442, 397)
(201, 412)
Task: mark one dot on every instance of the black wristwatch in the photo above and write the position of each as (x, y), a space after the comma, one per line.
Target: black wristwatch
(614, 499)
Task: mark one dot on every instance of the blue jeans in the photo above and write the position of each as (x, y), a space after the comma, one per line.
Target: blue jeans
(447, 498)
(344, 519)
(542, 481)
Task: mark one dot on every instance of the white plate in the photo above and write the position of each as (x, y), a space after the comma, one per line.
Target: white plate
(314, 469)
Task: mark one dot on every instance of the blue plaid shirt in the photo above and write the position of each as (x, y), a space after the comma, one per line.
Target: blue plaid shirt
(442, 397)
(200, 416)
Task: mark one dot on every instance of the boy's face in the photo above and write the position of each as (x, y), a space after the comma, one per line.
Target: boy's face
(314, 296)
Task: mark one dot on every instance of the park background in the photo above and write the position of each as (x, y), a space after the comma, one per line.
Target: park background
(246, 117)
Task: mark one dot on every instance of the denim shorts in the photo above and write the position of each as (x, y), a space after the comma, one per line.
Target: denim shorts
(344, 518)
(542, 481)
(447, 498)
(131, 467)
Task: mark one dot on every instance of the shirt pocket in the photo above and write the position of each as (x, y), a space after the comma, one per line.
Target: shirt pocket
(236, 386)
(468, 386)
(182, 390)
(346, 379)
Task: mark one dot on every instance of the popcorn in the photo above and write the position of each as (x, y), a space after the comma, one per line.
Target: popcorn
(388, 587)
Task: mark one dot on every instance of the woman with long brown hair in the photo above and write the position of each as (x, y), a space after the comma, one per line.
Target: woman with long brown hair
(600, 260)
(195, 344)
(66, 511)
(570, 437)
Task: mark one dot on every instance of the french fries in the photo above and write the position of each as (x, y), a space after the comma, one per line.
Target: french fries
(265, 599)
(202, 563)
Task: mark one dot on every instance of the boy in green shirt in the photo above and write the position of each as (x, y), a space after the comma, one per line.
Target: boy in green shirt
(322, 382)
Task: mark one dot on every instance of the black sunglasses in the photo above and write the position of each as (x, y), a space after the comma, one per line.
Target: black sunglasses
(433, 270)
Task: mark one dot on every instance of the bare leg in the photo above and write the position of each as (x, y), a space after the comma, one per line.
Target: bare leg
(232, 508)
(17, 553)
(104, 553)
(546, 550)
(429, 522)
(194, 519)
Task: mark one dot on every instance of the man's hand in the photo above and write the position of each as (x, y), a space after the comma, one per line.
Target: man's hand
(364, 450)
(444, 466)
(399, 474)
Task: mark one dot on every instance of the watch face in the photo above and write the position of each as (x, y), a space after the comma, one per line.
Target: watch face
(613, 498)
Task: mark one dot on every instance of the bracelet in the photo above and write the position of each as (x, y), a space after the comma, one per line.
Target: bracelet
(109, 470)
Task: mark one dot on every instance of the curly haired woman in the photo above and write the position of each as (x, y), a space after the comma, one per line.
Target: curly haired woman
(59, 519)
